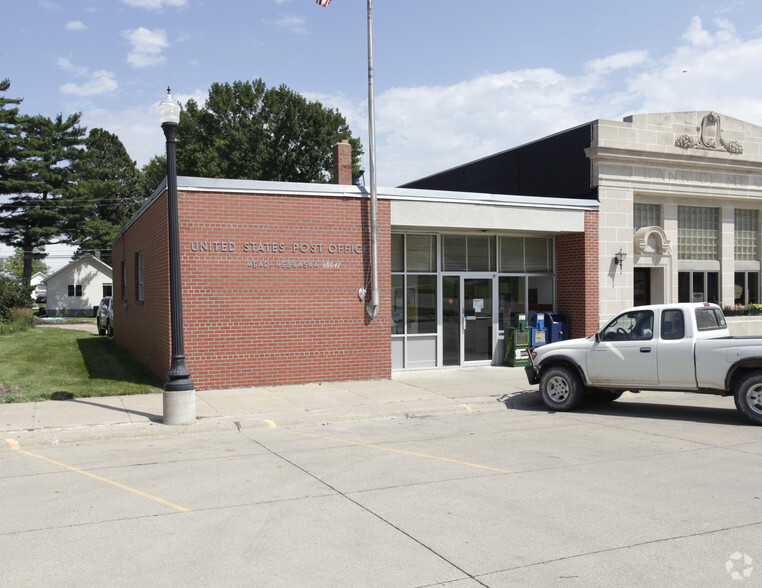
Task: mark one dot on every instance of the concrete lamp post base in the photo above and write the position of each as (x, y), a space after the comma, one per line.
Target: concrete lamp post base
(179, 407)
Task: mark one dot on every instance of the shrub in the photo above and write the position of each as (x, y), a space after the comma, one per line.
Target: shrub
(13, 294)
(21, 319)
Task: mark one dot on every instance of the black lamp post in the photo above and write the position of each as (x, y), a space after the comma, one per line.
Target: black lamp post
(179, 395)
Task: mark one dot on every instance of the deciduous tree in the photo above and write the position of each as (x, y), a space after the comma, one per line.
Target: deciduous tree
(247, 131)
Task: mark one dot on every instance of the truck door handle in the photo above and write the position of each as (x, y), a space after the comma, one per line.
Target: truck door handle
(645, 350)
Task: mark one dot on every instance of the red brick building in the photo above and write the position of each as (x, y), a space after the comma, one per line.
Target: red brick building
(276, 277)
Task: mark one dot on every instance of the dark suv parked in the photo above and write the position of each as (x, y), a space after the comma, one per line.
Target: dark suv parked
(105, 317)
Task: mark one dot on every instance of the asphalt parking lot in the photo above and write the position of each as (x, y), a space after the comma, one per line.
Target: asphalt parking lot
(654, 489)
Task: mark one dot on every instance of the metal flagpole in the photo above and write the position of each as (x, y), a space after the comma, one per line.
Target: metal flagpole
(372, 306)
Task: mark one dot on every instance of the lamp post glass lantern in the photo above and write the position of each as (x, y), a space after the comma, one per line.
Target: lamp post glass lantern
(619, 258)
(179, 395)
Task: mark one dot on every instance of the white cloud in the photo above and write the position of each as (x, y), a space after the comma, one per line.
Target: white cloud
(97, 82)
(147, 46)
(292, 23)
(66, 64)
(138, 128)
(156, 5)
(102, 82)
(76, 25)
(696, 35)
(625, 60)
(717, 71)
(426, 129)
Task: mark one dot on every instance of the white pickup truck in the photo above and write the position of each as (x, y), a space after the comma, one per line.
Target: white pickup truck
(672, 347)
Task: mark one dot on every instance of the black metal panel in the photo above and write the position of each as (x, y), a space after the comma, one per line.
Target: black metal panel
(555, 166)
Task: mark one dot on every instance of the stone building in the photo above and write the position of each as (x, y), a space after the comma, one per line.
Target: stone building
(679, 198)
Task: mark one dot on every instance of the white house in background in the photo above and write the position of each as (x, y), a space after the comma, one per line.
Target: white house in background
(76, 289)
(38, 281)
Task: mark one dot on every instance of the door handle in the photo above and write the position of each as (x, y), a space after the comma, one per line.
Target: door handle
(645, 350)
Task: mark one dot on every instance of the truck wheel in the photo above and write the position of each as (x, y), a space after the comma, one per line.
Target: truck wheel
(748, 397)
(561, 388)
(101, 330)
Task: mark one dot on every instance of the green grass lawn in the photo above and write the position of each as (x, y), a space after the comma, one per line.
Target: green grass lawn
(45, 363)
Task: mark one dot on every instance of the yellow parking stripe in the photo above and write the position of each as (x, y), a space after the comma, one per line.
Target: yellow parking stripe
(382, 448)
(15, 446)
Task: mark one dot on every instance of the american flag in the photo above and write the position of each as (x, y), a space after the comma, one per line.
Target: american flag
(324, 2)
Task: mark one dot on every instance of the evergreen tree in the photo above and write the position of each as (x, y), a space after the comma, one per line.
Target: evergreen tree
(247, 131)
(40, 179)
(9, 132)
(108, 193)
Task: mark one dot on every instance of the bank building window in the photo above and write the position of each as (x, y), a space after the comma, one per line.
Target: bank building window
(698, 252)
(647, 215)
(746, 257)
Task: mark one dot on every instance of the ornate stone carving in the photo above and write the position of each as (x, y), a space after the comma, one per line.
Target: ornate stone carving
(709, 137)
(652, 241)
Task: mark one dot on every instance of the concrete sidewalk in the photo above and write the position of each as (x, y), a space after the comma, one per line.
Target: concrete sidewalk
(406, 394)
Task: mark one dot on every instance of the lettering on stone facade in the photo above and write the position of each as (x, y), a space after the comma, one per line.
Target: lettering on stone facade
(681, 175)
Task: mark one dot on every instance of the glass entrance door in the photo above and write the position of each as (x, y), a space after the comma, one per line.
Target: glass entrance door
(467, 319)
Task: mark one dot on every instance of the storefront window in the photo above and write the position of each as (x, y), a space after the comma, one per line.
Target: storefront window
(526, 254)
(421, 303)
(414, 296)
(746, 288)
(468, 253)
(540, 293)
(421, 253)
(512, 299)
(698, 287)
(398, 305)
(398, 253)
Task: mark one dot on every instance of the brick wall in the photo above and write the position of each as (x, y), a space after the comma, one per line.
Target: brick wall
(270, 289)
(143, 326)
(577, 280)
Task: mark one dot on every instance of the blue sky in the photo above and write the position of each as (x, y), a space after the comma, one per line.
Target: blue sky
(455, 80)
